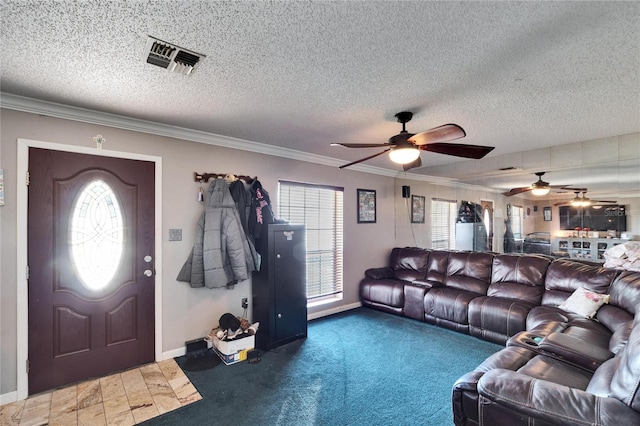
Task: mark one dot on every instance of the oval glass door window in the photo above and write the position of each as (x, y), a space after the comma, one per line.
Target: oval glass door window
(97, 235)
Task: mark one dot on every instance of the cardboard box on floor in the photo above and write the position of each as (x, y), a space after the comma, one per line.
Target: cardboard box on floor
(235, 350)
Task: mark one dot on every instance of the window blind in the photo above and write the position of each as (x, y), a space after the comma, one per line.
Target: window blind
(320, 208)
(443, 224)
(517, 213)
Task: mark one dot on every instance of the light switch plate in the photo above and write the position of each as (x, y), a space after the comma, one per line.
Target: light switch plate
(175, 234)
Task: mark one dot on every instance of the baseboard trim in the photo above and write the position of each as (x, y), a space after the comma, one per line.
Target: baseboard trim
(8, 398)
(174, 353)
(332, 311)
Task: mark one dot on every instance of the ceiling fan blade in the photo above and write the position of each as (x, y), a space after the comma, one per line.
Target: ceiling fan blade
(604, 201)
(447, 132)
(457, 149)
(365, 159)
(516, 191)
(363, 145)
(412, 165)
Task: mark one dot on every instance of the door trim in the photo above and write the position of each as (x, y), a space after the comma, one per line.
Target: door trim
(21, 231)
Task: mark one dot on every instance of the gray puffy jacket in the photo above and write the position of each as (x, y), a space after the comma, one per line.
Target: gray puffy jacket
(222, 254)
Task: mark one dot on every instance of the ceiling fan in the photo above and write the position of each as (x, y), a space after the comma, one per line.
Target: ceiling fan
(404, 148)
(583, 201)
(538, 188)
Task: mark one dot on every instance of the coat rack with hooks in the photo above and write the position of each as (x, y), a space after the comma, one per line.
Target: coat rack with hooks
(204, 177)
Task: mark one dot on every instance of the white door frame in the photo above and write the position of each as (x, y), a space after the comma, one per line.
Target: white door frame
(22, 247)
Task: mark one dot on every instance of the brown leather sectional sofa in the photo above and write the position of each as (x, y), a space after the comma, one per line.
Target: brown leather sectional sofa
(557, 367)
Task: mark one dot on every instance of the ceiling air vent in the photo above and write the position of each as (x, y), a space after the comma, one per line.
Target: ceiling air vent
(171, 57)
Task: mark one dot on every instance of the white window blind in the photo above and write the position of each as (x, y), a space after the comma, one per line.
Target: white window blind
(320, 208)
(443, 224)
(517, 214)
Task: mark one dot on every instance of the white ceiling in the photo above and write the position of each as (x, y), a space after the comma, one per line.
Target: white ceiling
(515, 75)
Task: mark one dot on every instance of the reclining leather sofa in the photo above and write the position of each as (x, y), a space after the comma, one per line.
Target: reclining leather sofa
(557, 366)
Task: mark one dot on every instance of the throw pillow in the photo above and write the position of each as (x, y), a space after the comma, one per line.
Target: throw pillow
(584, 302)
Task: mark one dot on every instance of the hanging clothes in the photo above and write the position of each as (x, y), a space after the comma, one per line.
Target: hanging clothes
(221, 255)
(261, 213)
(241, 194)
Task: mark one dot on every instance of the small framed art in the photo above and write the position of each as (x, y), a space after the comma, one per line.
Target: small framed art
(417, 209)
(366, 206)
(547, 214)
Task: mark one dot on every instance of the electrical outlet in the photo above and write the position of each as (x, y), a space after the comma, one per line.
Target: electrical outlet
(245, 303)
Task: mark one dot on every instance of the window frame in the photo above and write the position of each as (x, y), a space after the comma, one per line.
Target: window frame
(517, 222)
(314, 216)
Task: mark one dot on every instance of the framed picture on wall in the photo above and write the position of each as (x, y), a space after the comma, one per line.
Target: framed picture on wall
(547, 214)
(366, 206)
(417, 208)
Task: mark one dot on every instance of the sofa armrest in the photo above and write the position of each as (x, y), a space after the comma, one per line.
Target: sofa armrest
(428, 284)
(464, 398)
(551, 402)
(574, 350)
(379, 273)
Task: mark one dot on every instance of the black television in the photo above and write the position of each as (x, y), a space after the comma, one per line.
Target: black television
(596, 218)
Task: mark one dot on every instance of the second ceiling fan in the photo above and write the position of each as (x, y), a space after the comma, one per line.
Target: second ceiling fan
(583, 201)
(537, 188)
(404, 148)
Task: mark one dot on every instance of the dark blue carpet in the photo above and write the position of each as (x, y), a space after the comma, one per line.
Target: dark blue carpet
(361, 367)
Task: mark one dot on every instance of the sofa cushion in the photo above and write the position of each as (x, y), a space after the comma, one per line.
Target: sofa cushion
(600, 383)
(625, 291)
(518, 277)
(469, 271)
(437, 266)
(625, 384)
(552, 370)
(448, 307)
(544, 320)
(565, 276)
(618, 314)
(584, 302)
(496, 318)
(409, 263)
(386, 295)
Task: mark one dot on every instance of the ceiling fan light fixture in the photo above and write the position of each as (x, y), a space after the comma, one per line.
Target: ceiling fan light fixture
(579, 201)
(404, 155)
(540, 191)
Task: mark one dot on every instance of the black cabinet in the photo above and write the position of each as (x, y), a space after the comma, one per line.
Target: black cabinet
(279, 288)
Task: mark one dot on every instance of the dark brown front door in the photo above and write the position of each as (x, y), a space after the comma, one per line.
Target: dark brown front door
(91, 255)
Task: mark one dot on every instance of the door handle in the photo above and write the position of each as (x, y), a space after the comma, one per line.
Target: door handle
(148, 273)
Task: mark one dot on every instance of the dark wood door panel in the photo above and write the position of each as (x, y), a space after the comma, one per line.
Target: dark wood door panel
(91, 320)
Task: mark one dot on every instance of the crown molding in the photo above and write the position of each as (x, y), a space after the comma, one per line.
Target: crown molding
(52, 109)
(443, 181)
(67, 112)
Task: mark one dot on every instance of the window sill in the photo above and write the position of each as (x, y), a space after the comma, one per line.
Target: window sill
(325, 300)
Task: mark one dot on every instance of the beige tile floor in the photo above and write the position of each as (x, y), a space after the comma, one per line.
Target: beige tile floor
(126, 398)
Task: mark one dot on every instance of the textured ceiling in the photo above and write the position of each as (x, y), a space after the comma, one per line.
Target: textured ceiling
(300, 75)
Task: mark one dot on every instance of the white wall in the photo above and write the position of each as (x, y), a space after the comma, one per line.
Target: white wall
(187, 313)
